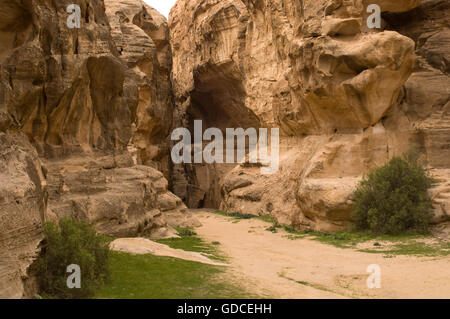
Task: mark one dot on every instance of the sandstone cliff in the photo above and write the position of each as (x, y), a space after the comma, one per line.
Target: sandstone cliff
(345, 97)
(85, 116)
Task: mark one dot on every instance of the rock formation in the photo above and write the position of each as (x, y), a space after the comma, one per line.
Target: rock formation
(85, 115)
(345, 97)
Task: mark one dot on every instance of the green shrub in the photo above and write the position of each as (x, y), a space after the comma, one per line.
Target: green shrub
(69, 243)
(186, 232)
(272, 229)
(242, 216)
(394, 198)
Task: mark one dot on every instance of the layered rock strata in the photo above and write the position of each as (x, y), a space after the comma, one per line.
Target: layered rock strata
(85, 115)
(345, 97)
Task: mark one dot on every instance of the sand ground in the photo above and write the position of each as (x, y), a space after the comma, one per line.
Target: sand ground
(274, 266)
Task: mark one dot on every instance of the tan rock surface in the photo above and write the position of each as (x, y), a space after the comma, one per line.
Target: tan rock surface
(85, 114)
(346, 98)
(120, 201)
(22, 207)
(84, 119)
(141, 36)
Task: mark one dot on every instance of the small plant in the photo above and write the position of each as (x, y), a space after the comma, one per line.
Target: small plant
(272, 229)
(394, 199)
(186, 232)
(242, 216)
(235, 215)
(72, 242)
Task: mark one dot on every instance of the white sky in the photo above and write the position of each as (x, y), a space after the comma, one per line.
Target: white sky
(163, 6)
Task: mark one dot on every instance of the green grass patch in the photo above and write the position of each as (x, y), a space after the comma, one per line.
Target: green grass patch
(186, 232)
(190, 242)
(239, 216)
(415, 248)
(153, 277)
(402, 244)
(408, 244)
(349, 239)
(405, 244)
(234, 215)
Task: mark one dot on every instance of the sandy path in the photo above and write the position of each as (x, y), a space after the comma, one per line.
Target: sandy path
(271, 264)
(142, 246)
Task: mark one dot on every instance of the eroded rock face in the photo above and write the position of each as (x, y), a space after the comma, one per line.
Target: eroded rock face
(141, 37)
(345, 97)
(85, 116)
(122, 200)
(22, 208)
(427, 91)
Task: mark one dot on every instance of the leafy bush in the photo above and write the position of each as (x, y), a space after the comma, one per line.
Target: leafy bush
(69, 243)
(394, 198)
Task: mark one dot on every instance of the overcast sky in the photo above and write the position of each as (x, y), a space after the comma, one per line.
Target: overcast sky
(163, 6)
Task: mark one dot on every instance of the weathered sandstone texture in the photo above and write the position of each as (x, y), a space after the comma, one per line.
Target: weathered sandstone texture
(345, 97)
(22, 209)
(85, 116)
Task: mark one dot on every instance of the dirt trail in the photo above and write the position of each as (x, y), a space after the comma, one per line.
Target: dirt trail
(142, 246)
(277, 267)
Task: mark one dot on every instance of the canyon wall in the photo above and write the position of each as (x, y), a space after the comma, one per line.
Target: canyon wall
(346, 98)
(85, 115)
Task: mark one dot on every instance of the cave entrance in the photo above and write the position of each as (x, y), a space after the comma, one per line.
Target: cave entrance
(218, 99)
